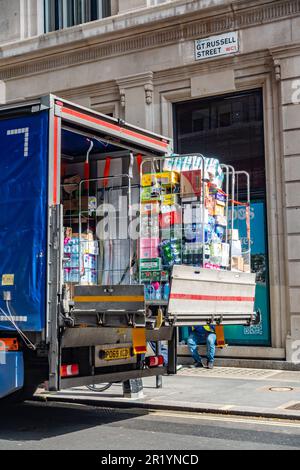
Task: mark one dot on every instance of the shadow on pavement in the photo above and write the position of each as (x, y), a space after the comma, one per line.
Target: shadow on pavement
(37, 421)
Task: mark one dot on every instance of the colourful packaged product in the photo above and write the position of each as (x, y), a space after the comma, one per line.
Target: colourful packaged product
(166, 291)
(218, 194)
(213, 172)
(89, 277)
(71, 275)
(216, 252)
(194, 233)
(146, 242)
(149, 248)
(210, 205)
(150, 208)
(225, 255)
(174, 231)
(170, 218)
(220, 197)
(153, 264)
(211, 220)
(221, 220)
(152, 193)
(171, 252)
(247, 268)
(219, 230)
(195, 213)
(149, 291)
(169, 178)
(191, 184)
(149, 226)
(150, 276)
(89, 261)
(237, 263)
(218, 209)
(236, 248)
(170, 199)
(166, 178)
(164, 276)
(212, 266)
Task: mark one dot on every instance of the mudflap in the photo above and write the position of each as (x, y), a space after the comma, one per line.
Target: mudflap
(11, 373)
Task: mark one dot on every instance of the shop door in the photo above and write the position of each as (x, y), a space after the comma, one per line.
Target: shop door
(231, 129)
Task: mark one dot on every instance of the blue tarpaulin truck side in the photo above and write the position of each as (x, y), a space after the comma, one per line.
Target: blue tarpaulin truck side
(73, 325)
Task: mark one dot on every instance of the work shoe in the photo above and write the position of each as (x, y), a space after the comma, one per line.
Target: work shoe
(210, 365)
(198, 365)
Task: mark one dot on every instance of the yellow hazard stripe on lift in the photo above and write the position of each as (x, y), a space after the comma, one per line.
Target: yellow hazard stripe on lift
(108, 298)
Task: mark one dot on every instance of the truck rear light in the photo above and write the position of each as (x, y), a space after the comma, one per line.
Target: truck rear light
(154, 361)
(9, 344)
(69, 370)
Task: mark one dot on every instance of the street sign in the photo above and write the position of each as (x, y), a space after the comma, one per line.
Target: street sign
(215, 46)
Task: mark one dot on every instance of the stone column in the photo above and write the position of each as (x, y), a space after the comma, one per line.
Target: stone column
(287, 72)
(136, 99)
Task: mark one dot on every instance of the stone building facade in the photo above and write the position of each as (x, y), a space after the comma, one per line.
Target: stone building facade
(140, 61)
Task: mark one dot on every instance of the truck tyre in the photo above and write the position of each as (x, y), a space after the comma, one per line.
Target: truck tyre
(19, 396)
(32, 380)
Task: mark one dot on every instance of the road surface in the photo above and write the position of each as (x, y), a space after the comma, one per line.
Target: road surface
(46, 426)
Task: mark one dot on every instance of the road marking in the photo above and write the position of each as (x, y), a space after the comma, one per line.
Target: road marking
(234, 419)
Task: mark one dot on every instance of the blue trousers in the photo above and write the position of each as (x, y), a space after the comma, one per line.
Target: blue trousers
(195, 339)
(163, 351)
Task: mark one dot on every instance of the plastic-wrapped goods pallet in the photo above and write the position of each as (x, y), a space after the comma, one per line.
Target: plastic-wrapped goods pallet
(80, 259)
(185, 219)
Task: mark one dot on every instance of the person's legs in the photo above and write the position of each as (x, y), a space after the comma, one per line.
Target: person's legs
(211, 347)
(193, 340)
(163, 351)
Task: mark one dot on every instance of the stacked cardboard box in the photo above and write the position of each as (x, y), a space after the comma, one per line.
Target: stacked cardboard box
(184, 214)
(80, 259)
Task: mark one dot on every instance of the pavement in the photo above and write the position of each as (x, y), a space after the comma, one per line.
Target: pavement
(223, 390)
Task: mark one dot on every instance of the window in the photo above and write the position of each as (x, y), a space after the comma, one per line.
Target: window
(230, 127)
(61, 14)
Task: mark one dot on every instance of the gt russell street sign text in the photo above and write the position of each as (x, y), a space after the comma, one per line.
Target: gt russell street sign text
(216, 46)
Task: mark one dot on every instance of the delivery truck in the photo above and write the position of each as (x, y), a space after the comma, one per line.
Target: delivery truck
(81, 293)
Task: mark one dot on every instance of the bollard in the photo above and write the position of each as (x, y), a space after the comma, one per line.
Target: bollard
(133, 389)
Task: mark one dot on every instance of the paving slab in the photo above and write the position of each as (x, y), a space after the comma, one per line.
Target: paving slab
(247, 392)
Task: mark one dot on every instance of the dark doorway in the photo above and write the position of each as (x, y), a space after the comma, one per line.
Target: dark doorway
(231, 129)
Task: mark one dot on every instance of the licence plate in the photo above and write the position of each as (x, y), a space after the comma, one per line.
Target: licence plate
(117, 354)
